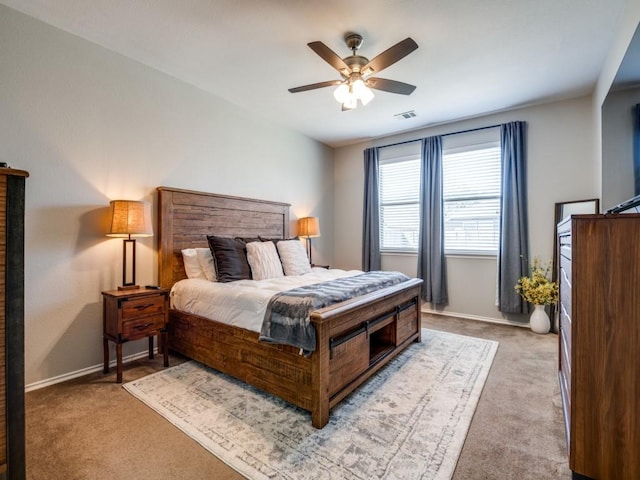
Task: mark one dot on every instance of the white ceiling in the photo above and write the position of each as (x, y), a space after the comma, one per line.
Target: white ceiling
(474, 56)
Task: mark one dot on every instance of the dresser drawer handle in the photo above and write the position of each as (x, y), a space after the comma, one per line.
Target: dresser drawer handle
(142, 307)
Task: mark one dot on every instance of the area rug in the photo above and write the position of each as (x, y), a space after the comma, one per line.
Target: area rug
(409, 421)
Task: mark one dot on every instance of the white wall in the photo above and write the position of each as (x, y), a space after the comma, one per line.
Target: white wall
(560, 168)
(91, 126)
(624, 36)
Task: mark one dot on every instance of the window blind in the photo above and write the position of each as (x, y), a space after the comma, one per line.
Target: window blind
(471, 194)
(399, 188)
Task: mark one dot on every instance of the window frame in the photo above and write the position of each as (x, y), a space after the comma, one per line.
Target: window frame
(456, 144)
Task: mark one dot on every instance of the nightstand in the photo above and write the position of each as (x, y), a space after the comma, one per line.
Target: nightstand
(132, 315)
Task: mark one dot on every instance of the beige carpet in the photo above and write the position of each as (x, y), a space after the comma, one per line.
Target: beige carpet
(422, 401)
(91, 428)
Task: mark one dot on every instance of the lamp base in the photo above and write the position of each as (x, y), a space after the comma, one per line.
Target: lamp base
(129, 286)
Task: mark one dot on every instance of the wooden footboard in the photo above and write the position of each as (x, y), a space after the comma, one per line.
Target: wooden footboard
(354, 340)
(277, 369)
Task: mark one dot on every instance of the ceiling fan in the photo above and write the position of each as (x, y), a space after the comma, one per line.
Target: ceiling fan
(356, 71)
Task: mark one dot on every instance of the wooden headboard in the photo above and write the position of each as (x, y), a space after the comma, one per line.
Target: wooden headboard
(185, 218)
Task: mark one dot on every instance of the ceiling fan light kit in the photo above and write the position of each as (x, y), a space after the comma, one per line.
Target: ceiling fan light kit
(348, 94)
(356, 83)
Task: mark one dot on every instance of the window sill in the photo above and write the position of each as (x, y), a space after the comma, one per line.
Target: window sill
(399, 254)
(474, 256)
(479, 256)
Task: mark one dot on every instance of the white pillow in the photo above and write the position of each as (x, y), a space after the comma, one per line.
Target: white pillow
(205, 258)
(264, 261)
(294, 257)
(191, 264)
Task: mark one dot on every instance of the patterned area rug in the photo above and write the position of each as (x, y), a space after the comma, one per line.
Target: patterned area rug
(409, 421)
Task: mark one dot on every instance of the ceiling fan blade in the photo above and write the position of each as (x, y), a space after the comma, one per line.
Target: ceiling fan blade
(391, 55)
(313, 86)
(390, 86)
(330, 57)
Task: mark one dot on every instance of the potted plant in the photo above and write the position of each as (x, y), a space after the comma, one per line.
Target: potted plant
(538, 289)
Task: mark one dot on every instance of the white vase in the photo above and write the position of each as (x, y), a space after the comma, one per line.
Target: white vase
(539, 320)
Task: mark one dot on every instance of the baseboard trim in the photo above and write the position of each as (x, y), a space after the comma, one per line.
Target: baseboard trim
(98, 368)
(478, 318)
(85, 371)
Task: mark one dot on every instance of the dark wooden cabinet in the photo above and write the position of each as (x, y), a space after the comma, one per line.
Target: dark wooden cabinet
(132, 315)
(599, 341)
(12, 424)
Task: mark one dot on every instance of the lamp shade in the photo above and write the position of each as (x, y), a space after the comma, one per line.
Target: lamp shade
(308, 227)
(130, 218)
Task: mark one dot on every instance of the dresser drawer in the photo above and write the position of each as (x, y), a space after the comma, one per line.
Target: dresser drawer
(565, 246)
(565, 355)
(565, 383)
(565, 301)
(565, 323)
(142, 327)
(138, 307)
(565, 393)
(565, 270)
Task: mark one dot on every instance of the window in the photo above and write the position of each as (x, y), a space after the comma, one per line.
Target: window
(471, 198)
(471, 193)
(399, 197)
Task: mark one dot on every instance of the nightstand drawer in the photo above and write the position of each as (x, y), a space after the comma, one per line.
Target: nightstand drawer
(137, 307)
(142, 327)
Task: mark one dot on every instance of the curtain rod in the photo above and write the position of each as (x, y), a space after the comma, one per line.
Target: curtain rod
(443, 135)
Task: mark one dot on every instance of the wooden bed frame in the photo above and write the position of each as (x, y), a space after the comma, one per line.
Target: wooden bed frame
(354, 338)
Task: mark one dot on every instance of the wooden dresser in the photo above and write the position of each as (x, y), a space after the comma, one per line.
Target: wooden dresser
(599, 360)
(12, 427)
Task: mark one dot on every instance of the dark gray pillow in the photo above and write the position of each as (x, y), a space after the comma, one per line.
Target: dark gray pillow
(275, 240)
(230, 257)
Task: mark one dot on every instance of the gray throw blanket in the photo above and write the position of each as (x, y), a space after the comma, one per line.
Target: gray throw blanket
(286, 320)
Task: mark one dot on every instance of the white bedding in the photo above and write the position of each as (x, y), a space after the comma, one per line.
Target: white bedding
(242, 303)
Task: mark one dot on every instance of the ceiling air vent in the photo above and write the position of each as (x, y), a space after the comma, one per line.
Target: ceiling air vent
(405, 115)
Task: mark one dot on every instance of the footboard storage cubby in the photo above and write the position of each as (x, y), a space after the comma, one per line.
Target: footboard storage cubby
(355, 351)
(382, 336)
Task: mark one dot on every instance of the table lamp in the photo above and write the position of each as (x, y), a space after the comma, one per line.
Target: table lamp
(308, 227)
(129, 219)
